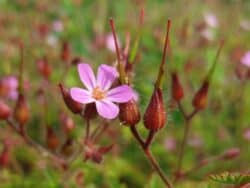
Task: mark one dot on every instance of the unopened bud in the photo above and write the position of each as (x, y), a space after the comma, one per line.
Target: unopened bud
(90, 111)
(52, 140)
(72, 105)
(231, 153)
(65, 52)
(129, 113)
(177, 90)
(4, 111)
(200, 98)
(21, 111)
(44, 68)
(67, 123)
(76, 61)
(155, 115)
(68, 148)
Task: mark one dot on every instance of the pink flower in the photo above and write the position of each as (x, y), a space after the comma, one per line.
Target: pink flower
(110, 43)
(211, 20)
(8, 87)
(245, 60)
(98, 90)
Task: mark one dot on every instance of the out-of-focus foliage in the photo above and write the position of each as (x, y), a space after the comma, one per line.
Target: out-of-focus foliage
(43, 27)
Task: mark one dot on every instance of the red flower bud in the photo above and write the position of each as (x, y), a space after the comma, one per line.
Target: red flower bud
(177, 90)
(68, 148)
(67, 123)
(21, 111)
(4, 111)
(65, 52)
(129, 113)
(72, 105)
(155, 115)
(52, 140)
(90, 111)
(200, 98)
(231, 153)
(44, 68)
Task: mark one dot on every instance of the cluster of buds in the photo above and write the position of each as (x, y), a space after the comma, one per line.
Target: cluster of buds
(199, 101)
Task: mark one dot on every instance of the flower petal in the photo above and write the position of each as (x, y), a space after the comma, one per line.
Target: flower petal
(106, 76)
(120, 94)
(107, 109)
(87, 76)
(81, 95)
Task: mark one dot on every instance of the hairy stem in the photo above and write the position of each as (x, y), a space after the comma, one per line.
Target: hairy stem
(149, 155)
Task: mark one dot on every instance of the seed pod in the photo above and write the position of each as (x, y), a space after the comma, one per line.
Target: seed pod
(129, 113)
(21, 111)
(52, 140)
(177, 90)
(200, 98)
(155, 115)
(4, 111)
(72, 105)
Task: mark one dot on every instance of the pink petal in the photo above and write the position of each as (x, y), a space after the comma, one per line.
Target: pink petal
(120, 94)
(106, 76)
(107, 109)
(86, 75)
(81, 95)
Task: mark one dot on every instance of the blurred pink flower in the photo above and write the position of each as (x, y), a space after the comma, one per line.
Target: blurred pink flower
(246, 134)
(99, 92)
(245, 60)
(8, 87)
(110, 42)
(57, 26)
(195, 141)
(211, 20)
(208, 34)
(170, 144)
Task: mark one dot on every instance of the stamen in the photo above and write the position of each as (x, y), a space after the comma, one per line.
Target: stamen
(98, 93)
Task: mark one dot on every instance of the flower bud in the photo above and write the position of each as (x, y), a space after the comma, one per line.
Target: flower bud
(72, 105)
(200, 98)
(65, 54)
(231, 153)
(129, 113)
(155, 115)
(21, 111)
(67, 123)
(44, 68)
(4, 111)
(52, 140)
(90, 111)
(177, 90)
(68, 148)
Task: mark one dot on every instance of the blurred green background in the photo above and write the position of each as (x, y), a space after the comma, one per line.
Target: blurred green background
(197, 28)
